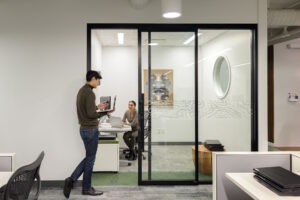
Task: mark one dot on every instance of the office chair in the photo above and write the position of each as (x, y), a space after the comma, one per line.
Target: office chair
(20, 183)
(146, 126)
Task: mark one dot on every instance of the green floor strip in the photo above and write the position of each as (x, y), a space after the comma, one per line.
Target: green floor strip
(131, 178)
(120, 178)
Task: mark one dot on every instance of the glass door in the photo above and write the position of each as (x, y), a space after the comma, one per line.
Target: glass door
(167, 101)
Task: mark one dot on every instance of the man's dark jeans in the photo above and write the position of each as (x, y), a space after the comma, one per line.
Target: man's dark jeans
(90, 137)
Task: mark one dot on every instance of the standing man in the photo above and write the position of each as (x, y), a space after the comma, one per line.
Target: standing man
(88, 120)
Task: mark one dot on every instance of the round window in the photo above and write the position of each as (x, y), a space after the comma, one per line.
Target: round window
(221, 76)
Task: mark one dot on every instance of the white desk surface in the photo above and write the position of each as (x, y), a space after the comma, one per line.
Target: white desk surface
(254, 189)
(106, 128)
(4, 177)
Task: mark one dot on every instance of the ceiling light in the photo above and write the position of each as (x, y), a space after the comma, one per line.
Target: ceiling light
(121, 38)
(191, 39)
(153, 44)
(171, 8)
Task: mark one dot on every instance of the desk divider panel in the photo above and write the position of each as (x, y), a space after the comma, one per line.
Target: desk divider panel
(223, 188)
(296, 164)
(6, 164)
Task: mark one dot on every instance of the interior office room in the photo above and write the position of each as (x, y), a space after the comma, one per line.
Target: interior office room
(283, 69)
(202, 81)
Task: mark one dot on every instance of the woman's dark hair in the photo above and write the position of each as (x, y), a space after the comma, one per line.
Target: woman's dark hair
(90, 74)
(133, 102)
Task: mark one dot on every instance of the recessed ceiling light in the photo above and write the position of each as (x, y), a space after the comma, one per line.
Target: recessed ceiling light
(121, 38)
(171, 15)
(189, 40)
(153, 44)
(171, 8)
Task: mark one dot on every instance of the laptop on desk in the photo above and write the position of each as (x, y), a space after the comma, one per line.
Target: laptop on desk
(115, 122)
(280, 180)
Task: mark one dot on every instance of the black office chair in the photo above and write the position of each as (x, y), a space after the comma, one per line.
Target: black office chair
(146, 134)
(20, 183)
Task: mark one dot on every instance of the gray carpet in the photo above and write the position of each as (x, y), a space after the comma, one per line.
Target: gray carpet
(200, 192)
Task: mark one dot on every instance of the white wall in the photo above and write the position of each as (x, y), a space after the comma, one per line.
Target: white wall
(43, 64)
(262, 71)
(120, 76)
(227, 119)
(286, 79)
(96, 52)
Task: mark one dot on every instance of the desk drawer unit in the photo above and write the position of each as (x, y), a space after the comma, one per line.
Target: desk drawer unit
(107, 157)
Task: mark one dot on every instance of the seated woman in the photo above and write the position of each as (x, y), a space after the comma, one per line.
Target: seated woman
(131, 118)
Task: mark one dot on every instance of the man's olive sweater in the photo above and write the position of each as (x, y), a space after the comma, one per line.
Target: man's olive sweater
(86, 108)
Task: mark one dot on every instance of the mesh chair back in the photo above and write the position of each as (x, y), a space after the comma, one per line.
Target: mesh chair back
(146, 127)
(20, 183)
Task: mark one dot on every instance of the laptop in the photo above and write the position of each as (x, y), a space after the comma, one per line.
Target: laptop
(116, 122)
(282, 177)
(279, 179)
(277, 189)
(107, 100)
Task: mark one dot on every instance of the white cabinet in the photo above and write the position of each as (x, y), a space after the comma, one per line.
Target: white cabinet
(107, 157)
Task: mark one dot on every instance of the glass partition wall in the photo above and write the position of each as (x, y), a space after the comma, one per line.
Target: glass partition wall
(224, 88)
(169, 96)
(193, 85)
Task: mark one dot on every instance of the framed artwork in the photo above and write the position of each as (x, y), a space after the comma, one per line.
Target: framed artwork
(161, 87)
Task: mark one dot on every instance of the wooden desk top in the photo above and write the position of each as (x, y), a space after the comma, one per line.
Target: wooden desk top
(107, 128)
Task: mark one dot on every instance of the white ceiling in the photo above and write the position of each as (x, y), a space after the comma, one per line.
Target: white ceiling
(109, 37)
(283, 33)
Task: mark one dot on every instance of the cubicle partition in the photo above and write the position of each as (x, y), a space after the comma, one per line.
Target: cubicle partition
(242, 162)
(7, 162)
(7, 167)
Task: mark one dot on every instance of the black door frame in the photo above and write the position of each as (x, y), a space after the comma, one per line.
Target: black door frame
(186, 28)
